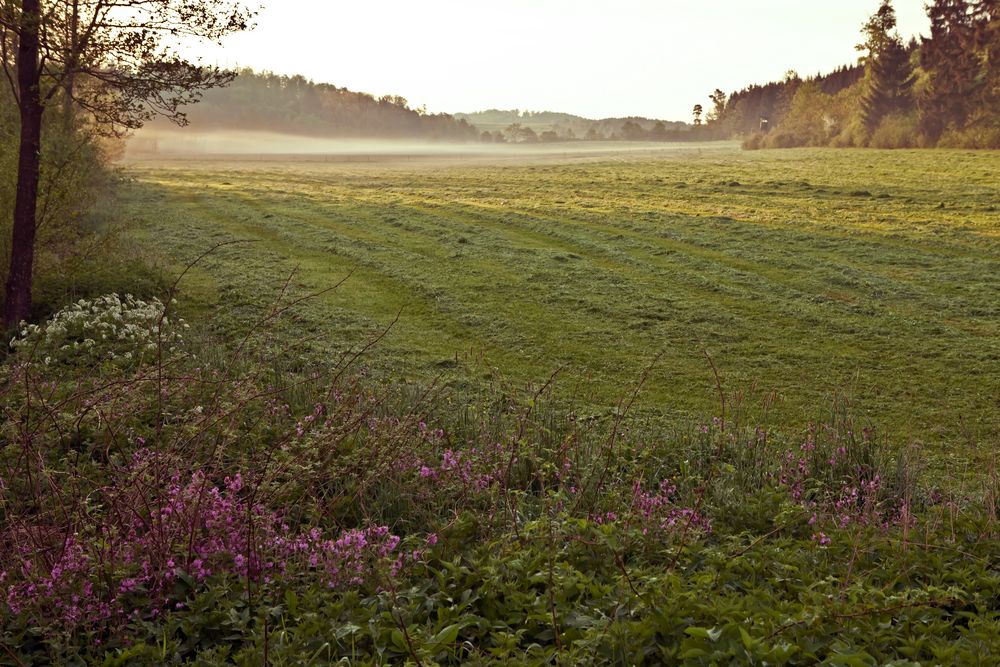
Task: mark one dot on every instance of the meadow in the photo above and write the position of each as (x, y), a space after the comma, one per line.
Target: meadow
(809, 277)
(340, 440)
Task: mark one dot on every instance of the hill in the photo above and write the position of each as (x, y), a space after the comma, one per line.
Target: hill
(259, 102)
(266, 102)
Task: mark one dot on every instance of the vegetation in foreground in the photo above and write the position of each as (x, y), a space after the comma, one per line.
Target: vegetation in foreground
(866, 274)
(168, 501)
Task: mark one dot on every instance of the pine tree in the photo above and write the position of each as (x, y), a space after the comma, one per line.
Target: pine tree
(888, 73)
(987, 26)
(953, 64)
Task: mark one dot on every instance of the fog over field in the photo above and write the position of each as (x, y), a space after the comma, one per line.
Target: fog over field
(237, 144)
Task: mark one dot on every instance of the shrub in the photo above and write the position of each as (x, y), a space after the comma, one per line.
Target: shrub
(978, 136)
(896, 131)
(753, 142)
(109, 329)
(808, 122)
(163, 536)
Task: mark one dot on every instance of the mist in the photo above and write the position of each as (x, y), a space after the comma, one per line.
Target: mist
(189, 144)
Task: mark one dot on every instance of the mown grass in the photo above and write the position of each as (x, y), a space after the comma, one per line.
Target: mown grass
(867, 274)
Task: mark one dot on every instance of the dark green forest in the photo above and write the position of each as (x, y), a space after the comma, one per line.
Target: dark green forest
(942, 89)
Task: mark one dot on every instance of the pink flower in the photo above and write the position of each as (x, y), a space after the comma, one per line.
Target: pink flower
(822, 538)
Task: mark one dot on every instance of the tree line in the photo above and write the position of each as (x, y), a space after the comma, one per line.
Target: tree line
(296, 105)
(516, 126)
(942, 89)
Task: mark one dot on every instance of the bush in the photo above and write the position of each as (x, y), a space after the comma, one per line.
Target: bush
(107, 330)
(808, 122)
(852, 135)
(896, 131)
(781, 138)
(985, 135)
(754, 141)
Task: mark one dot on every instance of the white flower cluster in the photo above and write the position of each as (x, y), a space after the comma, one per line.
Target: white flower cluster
(109, 328)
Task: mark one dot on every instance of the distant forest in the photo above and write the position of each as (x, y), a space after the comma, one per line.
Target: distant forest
(294, 105)
(941, 90)
(518, 126)
(261, 101)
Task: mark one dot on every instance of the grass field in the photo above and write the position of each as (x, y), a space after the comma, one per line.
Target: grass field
(866, 274)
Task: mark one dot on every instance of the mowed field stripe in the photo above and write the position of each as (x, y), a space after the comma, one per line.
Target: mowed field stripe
(790, 272)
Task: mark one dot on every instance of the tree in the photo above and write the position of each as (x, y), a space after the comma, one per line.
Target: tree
(718, 105)
(697, 112)
(512, 133)
(632, 131)
(112, 60)
(953, 67)
(987, 26)
(888, 72)
(520, 134)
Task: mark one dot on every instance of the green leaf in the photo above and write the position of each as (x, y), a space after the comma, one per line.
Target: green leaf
(692, 653)
(399, 640)
(446, 636)
(349, 629)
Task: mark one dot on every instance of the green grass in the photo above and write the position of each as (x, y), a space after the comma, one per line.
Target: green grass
(868, 274)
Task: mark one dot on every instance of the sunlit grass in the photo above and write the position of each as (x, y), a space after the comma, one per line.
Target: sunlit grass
(870, 274)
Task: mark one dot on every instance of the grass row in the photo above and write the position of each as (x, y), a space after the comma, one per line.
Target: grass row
(795, 272)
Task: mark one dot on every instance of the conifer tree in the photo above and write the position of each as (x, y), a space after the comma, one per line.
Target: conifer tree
(888, 72)
(987, 26)
(953, 64)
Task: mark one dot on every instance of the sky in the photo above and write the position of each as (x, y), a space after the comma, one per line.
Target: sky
(595, 58)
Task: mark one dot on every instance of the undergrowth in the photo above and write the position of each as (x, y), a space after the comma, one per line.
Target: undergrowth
(168, 502)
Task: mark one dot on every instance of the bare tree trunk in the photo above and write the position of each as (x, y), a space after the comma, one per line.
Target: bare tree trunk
(22, 250)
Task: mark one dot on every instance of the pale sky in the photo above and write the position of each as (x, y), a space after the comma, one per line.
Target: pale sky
(595, 58)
